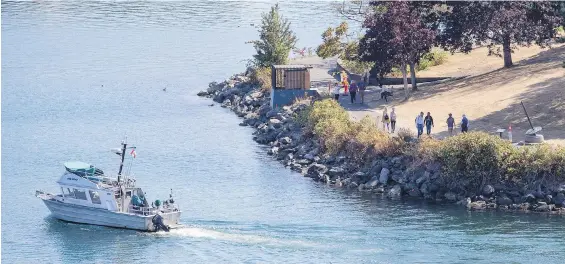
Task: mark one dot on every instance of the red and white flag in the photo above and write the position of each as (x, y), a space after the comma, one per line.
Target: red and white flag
(133, 153)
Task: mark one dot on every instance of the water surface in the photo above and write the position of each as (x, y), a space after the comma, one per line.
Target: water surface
(77, 76)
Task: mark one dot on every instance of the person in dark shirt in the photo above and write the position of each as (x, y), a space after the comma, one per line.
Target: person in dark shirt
(353, 91)
(450, 124)
(429, 122)
(464, 124)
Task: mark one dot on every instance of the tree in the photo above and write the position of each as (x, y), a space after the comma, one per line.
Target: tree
(396, 36)
(506, 23)
(337, 42)
(276, 39)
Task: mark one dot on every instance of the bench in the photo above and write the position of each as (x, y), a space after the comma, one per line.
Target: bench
(500, 131)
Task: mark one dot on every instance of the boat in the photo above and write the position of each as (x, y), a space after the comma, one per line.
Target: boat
(89, 196)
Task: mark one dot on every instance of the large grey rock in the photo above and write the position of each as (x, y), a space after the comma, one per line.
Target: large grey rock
(542, 207)
(273, 151)
(488, 190)
(275, 123)
(379, 189)
(396, 191)
(503, 200)
(424, 189)
(373, 182)
(309, 156)
(383, 177)
(285, 140)
(478, 205)
(414, 192)
(303, 161)
(336, 171)
(423, 179)
(559, 199)
(317, 168)
(272, 113)
(450, 196)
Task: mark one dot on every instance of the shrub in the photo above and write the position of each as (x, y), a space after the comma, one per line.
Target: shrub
(430, 59)
(262, 77)
(471, 160)
(536, 164)
(406, 134)
(331, 123)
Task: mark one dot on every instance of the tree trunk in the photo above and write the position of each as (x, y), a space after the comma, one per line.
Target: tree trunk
(507, 51)
(413, 75)
(405, 77)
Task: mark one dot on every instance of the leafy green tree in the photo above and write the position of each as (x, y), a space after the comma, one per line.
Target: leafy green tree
(493, 23)
(276, 39)
(337, 42)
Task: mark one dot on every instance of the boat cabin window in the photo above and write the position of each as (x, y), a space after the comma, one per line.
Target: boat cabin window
(68, 193)
(80, 194)
(94, 197)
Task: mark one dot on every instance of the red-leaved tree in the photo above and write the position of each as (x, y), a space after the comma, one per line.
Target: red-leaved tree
(397, 35)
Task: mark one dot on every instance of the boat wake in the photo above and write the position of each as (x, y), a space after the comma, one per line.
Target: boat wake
(198, 232)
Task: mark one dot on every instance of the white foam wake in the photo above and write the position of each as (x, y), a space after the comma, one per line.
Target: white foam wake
(196, 232)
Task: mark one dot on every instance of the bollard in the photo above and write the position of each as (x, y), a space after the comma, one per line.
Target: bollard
(510, 133)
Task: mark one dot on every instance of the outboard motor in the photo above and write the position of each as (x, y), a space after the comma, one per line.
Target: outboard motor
(159, 224)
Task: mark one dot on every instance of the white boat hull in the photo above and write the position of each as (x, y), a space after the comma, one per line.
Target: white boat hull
(97, 216)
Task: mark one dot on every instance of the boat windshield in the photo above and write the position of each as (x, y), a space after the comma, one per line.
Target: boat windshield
(83, 169)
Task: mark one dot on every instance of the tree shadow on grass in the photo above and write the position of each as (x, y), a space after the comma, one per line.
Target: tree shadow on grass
(545, 103)
(545, 60)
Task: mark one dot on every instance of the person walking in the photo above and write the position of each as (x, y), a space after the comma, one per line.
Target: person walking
(362, 85)
(464, 124)
(420, 124)
(429, 122)
(392, 120)
(353, 91)
(450, 124)
(386, 120)
(336, 91)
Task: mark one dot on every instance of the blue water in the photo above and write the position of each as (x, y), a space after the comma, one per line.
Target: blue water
(77, 76)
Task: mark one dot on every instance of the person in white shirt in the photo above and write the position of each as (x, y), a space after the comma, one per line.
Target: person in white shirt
(420, 123)
(336, 91)
(392, 120)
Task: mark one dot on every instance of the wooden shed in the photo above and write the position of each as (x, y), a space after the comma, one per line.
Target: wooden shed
(289, 82)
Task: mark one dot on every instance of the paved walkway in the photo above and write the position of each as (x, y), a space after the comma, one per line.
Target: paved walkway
(320, 78)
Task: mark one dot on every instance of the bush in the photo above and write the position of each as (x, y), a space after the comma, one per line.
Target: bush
(433, 58)
(337, 133)
(331, 123)
(262, 77)
(471, 160)
(406, 134)
(536, 163)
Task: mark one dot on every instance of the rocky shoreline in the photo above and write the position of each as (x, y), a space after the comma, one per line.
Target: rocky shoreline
(393, 177)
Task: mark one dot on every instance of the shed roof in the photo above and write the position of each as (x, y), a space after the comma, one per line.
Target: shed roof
(292, 66)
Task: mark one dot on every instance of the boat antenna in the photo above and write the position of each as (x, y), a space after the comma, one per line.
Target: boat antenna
(124, 145)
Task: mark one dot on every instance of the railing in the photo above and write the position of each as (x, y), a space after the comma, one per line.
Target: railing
(152, 210)
(128, 181)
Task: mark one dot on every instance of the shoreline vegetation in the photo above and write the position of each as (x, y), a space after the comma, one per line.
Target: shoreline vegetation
(317, 139)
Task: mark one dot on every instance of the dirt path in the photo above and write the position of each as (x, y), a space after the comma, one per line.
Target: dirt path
(489, 95)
